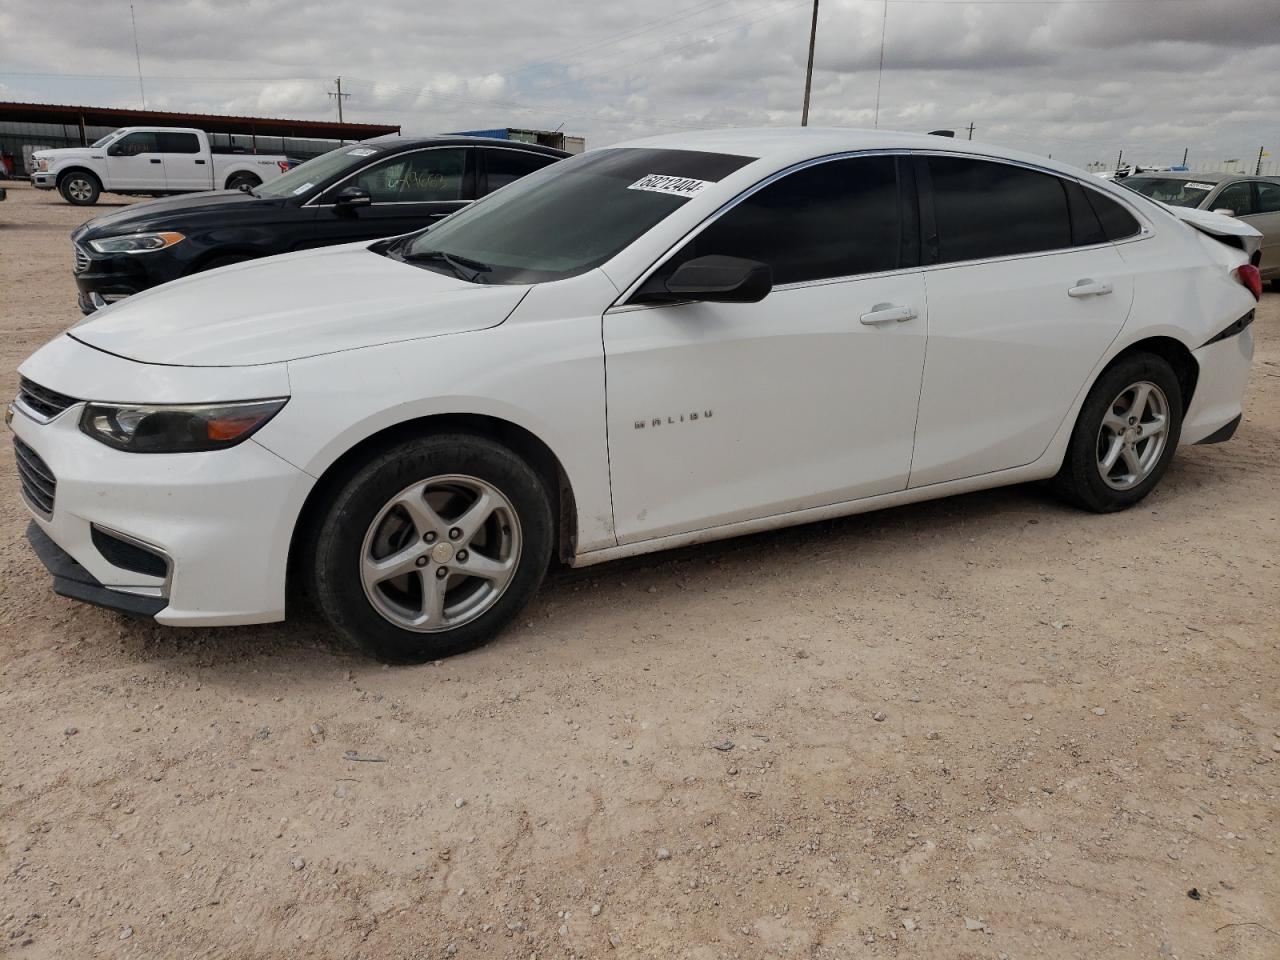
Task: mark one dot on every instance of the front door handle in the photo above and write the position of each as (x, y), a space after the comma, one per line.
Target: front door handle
(1089, 288)
(155, 160)
(887, 313)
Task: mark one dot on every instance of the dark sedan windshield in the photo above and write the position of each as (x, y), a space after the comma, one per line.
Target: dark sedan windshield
(315, 171)
(566, 218)
(1174, 191)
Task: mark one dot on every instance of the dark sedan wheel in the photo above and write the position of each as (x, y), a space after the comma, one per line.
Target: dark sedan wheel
(432, 547)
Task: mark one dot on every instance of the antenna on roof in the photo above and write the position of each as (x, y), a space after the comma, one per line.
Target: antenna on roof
(138, 56)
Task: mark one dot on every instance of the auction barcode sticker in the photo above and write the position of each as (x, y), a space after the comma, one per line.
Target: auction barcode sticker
(675, 186)
(1199, 186)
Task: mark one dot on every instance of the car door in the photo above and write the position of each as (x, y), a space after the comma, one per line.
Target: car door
(1267, 220)
(502, 165)
(134, 162)
(725, 412)
(186, 165)
(409, 190)
(1235, 196)
(1025, 294)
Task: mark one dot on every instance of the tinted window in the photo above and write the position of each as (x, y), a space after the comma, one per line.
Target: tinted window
(1236, 197)
(568, 217)
(1268, 197)
(988, 209)
(178, 143)
(508, 166)
(833, 219)
(421, 177)
(132, 144)
(1117, 222)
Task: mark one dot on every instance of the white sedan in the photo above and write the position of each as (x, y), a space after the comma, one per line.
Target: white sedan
(670, 341)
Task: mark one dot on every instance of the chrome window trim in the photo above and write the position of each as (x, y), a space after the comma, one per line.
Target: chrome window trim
(1144, 223)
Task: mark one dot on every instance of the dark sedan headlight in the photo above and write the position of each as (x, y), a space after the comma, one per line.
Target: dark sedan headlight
(165, 428)
(137, 242)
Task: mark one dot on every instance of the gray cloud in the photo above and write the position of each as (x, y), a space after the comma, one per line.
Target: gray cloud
(1078, 80)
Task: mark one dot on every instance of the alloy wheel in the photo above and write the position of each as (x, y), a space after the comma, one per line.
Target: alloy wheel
(1133, 435)
(79, 188)
(440, 553)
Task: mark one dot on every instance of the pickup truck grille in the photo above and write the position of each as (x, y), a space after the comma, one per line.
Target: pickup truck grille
(47, 403)
(38, 483)
(82, 259)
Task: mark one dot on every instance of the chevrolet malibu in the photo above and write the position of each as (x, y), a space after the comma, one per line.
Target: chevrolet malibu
(671, 341)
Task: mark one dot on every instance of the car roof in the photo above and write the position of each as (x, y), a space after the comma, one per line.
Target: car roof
(451, 140)
(1213, 176)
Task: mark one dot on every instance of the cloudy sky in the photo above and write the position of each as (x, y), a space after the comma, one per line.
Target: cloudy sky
(1078, 79)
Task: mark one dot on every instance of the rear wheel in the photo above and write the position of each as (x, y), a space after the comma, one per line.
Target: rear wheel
(1125, 436)
(432, 547)
(80, 188)
(242, 181)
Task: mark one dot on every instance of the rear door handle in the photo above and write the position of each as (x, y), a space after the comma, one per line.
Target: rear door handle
(887, 313)
(201, 162)
(1089, 288)
(156, 160)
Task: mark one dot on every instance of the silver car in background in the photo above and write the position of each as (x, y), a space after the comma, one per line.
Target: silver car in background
(1255, 200)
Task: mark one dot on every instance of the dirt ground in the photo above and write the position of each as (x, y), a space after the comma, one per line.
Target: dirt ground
(984, 727)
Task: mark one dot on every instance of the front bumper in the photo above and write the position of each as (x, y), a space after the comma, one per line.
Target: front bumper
(222, 520)
(44, 181)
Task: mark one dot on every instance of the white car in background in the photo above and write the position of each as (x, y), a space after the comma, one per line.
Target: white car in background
(666, 342)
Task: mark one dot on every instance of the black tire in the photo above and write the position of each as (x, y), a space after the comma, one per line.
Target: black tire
(1080, 481)
(80, 188)
(334, 555)
(240, 181)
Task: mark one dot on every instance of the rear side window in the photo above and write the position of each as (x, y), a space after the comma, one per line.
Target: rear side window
(1117, 222)
(508, 166)
(178, 142)
(834, 219)
(984, 209)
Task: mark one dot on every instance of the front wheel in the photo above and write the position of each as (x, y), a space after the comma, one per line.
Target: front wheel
(1125, 436)
(432, 547)
(80, 188)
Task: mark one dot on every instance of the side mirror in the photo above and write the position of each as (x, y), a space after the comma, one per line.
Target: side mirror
(717, 279)
(352, 197)
(1225, 211)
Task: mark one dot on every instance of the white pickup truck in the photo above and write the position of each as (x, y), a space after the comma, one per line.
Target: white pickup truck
(149, 161)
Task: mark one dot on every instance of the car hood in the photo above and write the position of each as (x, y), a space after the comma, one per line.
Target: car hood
(294, 306)
(62, 153)
(151, 214)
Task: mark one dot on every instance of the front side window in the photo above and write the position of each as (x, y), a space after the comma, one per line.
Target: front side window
(179, 143)
(839, 218)
(508, 166)
(132, 144)
(421, 177)
(567, 218)
(1268, 197)
(985, 209)
(1236, 197)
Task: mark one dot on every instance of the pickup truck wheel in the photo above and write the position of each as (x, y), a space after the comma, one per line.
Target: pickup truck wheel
(431, 547)
(242, 181)
(80, 188)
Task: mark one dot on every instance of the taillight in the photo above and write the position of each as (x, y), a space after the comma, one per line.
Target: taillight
(1248, 274)
(283, 165)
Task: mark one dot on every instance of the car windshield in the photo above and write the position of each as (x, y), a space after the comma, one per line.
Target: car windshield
(318, 170)
(567, 218)
(1174, 191)
(103, 141)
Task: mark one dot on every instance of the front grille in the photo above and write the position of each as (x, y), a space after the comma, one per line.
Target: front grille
(82, 259)
(48, 403)
(38, 483)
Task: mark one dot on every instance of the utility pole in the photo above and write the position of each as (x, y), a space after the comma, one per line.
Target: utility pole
(137, 53)
(1185, 151)
(808, 73)
(339, 96)
(1119, 157)
(1257, 171)
(884, 25)
(970, 130)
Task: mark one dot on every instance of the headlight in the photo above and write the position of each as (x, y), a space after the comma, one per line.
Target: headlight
(42, 166)
(139, 428)
(137, 242)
